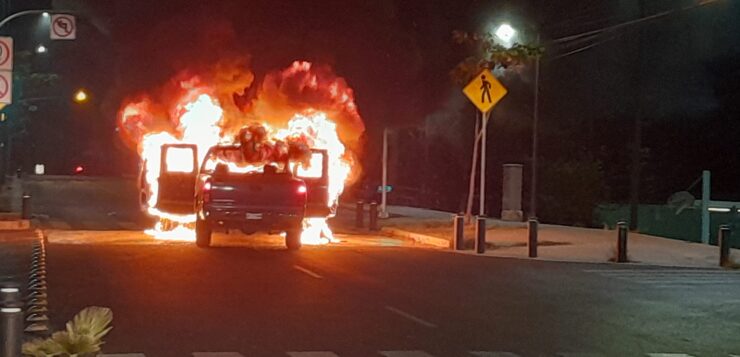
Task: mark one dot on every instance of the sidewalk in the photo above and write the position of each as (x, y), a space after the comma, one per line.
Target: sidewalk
(559, 243)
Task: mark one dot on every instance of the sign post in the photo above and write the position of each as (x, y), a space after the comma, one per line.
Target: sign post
(484, 91)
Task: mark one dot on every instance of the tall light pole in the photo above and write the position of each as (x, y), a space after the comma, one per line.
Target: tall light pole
(506, 34)
(535, 121)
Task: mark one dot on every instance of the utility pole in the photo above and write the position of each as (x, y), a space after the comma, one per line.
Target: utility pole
(535, 121)
(637, 129)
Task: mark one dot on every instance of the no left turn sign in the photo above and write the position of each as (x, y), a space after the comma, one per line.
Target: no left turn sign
(6, 53)
(63, 27)
(6, 86)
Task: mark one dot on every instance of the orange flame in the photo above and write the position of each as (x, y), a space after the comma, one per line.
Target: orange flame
(294, 103)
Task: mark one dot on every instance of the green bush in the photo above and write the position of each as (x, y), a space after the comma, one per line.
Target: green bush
(570, 190)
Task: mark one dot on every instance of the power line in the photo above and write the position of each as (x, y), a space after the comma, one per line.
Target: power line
(594, 34)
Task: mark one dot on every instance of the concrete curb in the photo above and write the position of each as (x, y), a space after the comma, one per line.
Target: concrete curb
(15, 225)
(443, 243)
(417, 237)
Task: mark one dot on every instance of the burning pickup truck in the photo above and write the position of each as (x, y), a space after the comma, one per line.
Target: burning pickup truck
(229, 192)
(208, 111)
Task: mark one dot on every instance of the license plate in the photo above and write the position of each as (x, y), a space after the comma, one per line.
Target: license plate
(254, 216)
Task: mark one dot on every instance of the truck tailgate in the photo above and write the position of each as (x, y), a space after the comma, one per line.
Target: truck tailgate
(257, 191)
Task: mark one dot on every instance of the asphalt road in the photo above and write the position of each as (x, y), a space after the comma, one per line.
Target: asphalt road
(370, 296)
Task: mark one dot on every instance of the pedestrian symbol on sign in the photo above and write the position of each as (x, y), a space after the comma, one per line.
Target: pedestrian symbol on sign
(486, 88)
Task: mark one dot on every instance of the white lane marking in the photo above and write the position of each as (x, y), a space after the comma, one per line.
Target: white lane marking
(686, 281)
(317, 276)
(493, 354)
(675, 276)
(410, 317)
(313, 354)
(665, 271)
(404, 354)
(669, 355)
(123, 355)
(217, 354)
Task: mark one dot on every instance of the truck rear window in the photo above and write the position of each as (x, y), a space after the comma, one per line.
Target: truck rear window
(179, 160)
(233, 158)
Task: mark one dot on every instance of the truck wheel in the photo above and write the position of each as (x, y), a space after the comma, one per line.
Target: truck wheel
(202, 233)
(293, 239)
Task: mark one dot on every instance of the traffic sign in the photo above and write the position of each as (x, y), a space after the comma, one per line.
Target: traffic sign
(6, 53)
(388, 188)
(484, 91)
(6, 86)
(63, 27)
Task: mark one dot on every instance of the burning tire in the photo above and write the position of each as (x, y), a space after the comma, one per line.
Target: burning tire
(293, 239)
(203, 233)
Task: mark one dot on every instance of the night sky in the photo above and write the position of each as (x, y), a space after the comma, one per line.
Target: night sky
(397, 55)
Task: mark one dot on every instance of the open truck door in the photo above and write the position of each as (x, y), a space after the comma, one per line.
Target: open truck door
(316, 177)
(178, 173)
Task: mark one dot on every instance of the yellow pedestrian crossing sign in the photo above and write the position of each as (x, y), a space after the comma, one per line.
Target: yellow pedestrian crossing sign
(484, 91)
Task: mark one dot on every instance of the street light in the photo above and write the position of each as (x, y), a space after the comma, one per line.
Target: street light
(505, 33)
(45, 14)
(41, 49)
(80, 96)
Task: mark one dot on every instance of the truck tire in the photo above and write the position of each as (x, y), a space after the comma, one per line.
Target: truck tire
(293, 239)
(202, 233)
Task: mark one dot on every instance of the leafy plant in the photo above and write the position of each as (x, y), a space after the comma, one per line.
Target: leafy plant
(487, 53)
(82, 336)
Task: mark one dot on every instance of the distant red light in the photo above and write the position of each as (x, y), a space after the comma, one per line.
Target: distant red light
(79, 169)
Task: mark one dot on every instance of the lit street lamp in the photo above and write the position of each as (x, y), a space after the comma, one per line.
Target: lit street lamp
(80, 96)
(41, 49)
(45, 14)
(506, 34)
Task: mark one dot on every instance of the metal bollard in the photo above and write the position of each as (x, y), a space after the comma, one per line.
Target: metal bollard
(373, 221)
(360, 214)
(622, 242)
(533, 226)
(11, 319)
(724, 245)
(458, 241)
(480, 234)
(26, 206)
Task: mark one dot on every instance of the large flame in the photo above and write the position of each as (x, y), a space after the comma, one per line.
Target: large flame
(294, 105)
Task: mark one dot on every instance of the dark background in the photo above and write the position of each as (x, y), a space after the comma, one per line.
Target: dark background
(678, 73)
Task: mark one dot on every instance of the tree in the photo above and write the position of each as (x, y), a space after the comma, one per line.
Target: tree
(30, 88)
(486, 52)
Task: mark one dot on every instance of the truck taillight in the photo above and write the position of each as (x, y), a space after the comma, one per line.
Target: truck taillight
(207, 191)
(301, 189)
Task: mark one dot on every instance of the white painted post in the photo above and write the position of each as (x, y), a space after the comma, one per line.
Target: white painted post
(481, 210)
(705, 199)
(384, 193)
